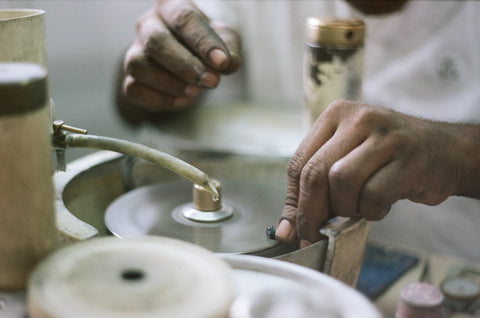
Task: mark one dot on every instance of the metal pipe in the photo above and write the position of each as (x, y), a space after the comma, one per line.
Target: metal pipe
(167, 161)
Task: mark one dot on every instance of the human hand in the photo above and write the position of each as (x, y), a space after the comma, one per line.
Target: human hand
(359, 159)
(177, 52)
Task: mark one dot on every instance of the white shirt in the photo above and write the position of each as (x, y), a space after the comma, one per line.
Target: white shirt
(425, 61)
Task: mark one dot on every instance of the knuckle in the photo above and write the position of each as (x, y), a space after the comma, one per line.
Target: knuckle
(342, 192)
(373, 205)
(295, 166)
(201, 41)
(337, 104)
(372, 119)
(156, 41)
(183, 17)
(338, 176)
(194, 29)
(135, 64)
(176, 88)
(371, 197)
(366, 117)
(312, 176)
(130, 88)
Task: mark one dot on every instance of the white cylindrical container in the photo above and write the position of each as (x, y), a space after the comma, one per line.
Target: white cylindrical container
(22, 36)
(333, 63)
(23, 40)
(27, 215)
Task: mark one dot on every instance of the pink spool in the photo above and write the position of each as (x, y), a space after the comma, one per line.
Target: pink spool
(420, 300)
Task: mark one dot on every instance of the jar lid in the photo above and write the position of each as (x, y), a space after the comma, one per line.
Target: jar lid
(23, 87)
(335, 32)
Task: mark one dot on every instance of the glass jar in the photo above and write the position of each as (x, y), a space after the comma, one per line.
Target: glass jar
(333, 63)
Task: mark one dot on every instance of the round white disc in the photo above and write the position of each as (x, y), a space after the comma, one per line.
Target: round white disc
(144, 277)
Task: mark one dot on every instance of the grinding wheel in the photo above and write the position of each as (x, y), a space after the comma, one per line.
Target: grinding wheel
(157, 210)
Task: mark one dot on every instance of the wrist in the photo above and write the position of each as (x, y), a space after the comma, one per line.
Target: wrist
(467, 137)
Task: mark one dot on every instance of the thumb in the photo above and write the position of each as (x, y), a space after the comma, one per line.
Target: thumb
(233, 44)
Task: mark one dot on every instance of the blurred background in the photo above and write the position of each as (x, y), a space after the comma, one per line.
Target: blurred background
(86, 41)
(85, 44)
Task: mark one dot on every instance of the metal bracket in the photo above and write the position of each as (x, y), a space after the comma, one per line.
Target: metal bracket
(59, 143)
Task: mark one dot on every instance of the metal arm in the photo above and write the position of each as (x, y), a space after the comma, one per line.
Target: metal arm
(61, 141)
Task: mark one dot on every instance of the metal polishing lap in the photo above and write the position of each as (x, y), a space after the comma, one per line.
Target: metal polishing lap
(157, 210)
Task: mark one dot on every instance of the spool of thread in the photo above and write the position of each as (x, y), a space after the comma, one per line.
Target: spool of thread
(420, 300)
(27, 215)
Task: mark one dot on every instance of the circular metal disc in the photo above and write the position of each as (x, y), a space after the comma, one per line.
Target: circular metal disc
(157, 210)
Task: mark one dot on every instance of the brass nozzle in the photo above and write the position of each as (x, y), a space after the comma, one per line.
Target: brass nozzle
(203, 200)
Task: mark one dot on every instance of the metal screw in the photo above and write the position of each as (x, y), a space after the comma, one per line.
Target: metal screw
(60, 124)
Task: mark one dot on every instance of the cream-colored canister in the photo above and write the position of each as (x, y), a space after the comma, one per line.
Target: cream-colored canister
(22, 36)
(333, 63)
(27, 215)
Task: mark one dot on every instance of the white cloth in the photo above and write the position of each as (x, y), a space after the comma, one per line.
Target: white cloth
(423, 60)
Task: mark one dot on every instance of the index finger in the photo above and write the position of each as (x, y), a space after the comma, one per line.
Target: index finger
(162, 46)
(322, 130)
(190, 25)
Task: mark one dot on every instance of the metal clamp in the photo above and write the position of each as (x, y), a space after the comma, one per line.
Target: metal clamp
(59, 143)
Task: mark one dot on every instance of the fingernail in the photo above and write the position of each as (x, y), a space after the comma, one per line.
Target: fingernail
(304, 243)
(192, 90)
(284, 230)
(209, 80)
(218, 58)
